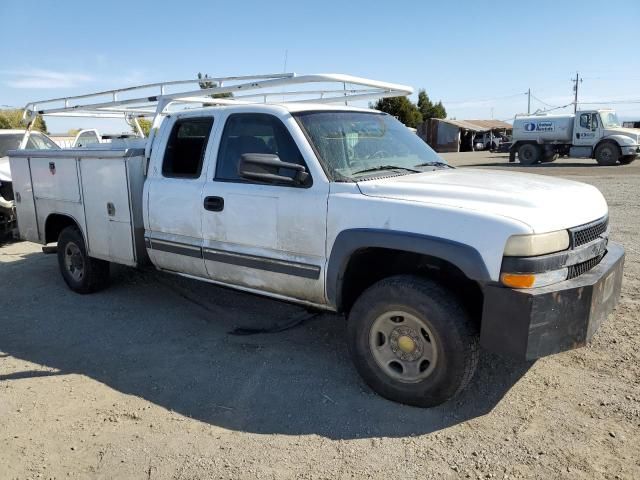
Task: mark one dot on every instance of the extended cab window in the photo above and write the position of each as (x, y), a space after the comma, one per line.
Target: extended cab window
(186, 146)
(253, 133)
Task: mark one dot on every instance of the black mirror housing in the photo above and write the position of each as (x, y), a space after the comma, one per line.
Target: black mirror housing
(264, 167)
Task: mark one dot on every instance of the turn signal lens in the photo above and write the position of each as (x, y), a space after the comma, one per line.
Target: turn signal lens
(533, 280)
(518, 280)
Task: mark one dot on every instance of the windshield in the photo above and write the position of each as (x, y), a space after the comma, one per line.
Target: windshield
(354, 144)
(609, 119)
(9, 142)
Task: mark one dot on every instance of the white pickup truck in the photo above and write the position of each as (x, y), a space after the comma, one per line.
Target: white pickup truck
(341, 209)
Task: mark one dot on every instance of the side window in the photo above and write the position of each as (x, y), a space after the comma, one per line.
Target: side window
(40, 142)
(253, 133)
(594, 122)
(186, 146)
(585, 120)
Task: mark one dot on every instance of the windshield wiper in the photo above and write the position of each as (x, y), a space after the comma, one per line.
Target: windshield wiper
(385, 167)
(433, 164)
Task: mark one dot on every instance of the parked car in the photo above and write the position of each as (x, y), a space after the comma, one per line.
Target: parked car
(10, 140)
(487, 141)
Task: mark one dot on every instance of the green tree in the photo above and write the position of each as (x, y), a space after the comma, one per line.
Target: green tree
(428, 109)
(402, 108)
(13, 119)
(205, 82)
(145, 125)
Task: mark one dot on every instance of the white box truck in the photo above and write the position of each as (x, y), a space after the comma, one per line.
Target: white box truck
(588, 134)
(336, 208)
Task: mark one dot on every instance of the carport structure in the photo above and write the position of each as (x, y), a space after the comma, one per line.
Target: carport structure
(448, 135)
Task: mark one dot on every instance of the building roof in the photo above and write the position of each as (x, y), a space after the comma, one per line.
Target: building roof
(478, 125)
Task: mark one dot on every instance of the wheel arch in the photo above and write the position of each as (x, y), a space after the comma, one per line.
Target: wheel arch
(56, 222)
(375, 254)
(612, 139)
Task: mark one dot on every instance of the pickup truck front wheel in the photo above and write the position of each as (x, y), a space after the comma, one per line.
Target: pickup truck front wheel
(80, 272)
(411, 341)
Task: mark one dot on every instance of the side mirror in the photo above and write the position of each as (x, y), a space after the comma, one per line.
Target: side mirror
(265, 167)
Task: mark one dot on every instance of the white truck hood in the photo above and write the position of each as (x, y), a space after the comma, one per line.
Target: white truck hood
(5, 173)
(633, 133)
(544, 203)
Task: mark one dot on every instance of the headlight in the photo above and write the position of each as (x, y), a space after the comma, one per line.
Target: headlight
(537, 244)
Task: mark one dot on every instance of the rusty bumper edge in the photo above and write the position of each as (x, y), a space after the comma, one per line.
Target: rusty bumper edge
(534, 323)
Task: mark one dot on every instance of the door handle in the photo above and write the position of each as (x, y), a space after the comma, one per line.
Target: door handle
(214, 204)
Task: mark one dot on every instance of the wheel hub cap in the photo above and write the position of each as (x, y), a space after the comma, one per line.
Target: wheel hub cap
(73, 261)
(403, 346)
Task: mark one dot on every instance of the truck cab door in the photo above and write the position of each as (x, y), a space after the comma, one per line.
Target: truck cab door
(265, 236)
(173, 191)
(587, 129)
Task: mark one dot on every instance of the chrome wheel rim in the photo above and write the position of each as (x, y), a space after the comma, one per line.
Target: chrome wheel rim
(403, 346)
(73, 261)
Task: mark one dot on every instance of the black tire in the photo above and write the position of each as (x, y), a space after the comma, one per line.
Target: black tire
(627, 159)
(80, 272)
(529, 154)
(607, 154)
(452, 341)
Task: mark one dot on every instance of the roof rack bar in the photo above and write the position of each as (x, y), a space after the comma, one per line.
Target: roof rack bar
(243, 88)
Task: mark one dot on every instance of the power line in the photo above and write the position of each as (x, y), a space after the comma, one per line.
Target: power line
(484, 100)
(543, 102)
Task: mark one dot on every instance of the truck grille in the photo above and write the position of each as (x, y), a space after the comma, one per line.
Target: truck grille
(580, 268)
(588, 232)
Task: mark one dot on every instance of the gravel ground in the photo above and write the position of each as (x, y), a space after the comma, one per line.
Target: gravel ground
(144, 381)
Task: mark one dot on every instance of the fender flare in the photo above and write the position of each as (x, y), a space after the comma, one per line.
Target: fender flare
(464, 257)
(617, 139)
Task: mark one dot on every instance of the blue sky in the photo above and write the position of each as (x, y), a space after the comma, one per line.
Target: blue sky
(477, 57)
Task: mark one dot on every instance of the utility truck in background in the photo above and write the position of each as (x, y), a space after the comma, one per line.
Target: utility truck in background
(333, 207)
(586, 134)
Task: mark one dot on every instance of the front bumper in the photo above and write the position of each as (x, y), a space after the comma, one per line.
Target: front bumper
(533, 323)
(632, 150)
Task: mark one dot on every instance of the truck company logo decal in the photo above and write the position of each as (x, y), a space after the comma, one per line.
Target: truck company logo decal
(52, 168)
(539, 127)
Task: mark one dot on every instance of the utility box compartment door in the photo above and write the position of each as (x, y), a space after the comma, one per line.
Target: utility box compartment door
(107, 204)
(55, 179)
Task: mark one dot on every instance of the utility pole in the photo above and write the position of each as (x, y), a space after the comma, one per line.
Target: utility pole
(529, 102)
(576, 81)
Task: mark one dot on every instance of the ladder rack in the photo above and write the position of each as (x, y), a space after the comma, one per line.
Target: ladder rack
(155, 99)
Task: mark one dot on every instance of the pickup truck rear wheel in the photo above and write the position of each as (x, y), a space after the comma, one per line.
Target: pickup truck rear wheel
(528, 154)
(607, 154)
(81, 273)
(411, 341)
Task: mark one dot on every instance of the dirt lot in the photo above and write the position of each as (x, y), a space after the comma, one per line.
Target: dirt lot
(144, 381)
